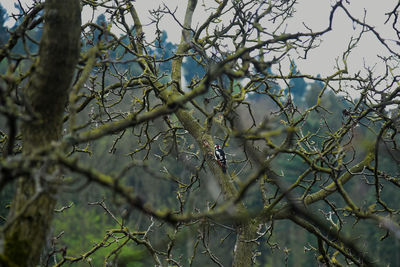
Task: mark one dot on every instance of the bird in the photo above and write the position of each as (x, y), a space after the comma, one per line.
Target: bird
(220, 157)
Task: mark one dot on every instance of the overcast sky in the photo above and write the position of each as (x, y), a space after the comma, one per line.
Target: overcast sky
(313, 13)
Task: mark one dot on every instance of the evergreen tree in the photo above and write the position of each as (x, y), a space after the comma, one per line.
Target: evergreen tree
(3, 28)
(297, 85)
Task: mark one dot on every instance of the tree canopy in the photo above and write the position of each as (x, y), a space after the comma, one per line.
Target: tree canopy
(107, 137)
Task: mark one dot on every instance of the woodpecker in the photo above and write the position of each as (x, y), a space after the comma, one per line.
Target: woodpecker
(220, 157)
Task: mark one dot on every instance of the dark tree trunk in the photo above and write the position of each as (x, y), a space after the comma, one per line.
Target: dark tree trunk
(46, 96)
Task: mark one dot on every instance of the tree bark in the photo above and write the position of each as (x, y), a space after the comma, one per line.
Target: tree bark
(243, 252)
(46, 96)
(245, 231)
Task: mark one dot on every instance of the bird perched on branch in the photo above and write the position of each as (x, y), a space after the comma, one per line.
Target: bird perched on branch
(220, 157)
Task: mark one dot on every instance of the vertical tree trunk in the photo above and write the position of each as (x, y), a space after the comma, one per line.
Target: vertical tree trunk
(46, 95)
(247, 231)
(243, 251)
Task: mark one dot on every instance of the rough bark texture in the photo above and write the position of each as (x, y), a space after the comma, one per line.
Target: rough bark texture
(243, 251)
(245, 232)
(242, 255)
(46, 95)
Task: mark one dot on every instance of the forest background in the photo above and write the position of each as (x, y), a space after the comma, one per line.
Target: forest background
(164, 172)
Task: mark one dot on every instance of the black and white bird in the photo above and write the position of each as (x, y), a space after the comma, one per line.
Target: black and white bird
(220, 157)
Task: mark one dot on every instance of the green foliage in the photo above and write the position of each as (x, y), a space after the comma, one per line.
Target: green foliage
(3, 29)
(84, 227)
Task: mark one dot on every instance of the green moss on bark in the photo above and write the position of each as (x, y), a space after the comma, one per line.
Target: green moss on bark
(46, 95)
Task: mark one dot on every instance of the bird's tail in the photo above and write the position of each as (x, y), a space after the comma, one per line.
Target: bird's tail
(223, 168)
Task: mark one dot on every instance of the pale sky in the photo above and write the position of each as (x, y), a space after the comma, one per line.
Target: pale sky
(314, 13)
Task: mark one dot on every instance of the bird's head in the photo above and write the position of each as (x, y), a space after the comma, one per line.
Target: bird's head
(217, 146)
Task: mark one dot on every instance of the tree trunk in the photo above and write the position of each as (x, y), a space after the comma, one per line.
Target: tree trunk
(46, 96)
(243, 251)
(245, 231)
